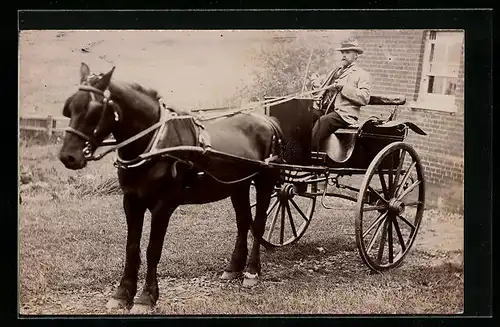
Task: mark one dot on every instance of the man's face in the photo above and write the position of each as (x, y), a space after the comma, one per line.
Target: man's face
(348, 57)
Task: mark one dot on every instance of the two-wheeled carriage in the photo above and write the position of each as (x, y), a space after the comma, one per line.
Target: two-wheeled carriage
(167, 158)
(369, 164)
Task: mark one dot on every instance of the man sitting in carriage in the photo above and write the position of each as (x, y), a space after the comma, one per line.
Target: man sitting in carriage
(339, 106)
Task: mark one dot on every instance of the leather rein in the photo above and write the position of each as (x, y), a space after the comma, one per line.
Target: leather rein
(91, 144)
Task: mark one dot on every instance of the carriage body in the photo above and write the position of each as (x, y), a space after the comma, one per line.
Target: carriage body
(355, 146)
(389, 199)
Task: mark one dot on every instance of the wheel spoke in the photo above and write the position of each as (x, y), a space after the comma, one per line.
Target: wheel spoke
(389, 175)
(398, 171)
(298, 209)
(378, 220)
(274, 195)
(389, 240)
(407, 222)
(408, 190)
(272, 206)
(377, 194)
(382, 182)
(292, 224)
(282, 227)
(373, 208)
(374, 237)
(400, 236)
(273, 223)
(382, 243)
(405, 178)
(414, 203)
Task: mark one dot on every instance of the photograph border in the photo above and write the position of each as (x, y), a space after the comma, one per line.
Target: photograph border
(478, 26)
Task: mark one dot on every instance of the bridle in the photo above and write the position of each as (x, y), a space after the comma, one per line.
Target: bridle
(90, 141)
(91, 144)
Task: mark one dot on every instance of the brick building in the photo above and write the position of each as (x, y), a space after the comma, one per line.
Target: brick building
(427, 66)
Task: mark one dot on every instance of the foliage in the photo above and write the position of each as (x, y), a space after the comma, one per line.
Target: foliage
(282, 64)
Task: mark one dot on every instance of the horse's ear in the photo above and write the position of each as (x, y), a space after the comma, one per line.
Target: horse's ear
(84, 72)
(103, 83)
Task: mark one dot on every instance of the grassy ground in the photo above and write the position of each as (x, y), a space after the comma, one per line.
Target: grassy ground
(72, 235)
(72, 253)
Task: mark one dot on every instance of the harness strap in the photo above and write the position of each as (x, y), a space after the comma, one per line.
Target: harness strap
(80, 134)
(203, 139)
(89, 88)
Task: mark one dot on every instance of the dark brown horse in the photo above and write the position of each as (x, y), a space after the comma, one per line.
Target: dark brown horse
(101, 107)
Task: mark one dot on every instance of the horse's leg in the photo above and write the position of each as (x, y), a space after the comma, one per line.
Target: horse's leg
(160, 216)
(264, 186)
(241, 203)
(134, 211)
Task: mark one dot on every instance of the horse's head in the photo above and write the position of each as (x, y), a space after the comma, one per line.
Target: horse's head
(92, 116)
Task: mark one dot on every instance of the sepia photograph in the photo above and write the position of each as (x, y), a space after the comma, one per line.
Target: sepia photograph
(241, 172)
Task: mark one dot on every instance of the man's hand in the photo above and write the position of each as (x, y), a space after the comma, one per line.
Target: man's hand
(339, 84)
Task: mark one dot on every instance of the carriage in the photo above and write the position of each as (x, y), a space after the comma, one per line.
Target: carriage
(167, 158)
(368, 164)
(384, 178)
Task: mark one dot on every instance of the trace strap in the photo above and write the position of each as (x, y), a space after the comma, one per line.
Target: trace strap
(133, 138)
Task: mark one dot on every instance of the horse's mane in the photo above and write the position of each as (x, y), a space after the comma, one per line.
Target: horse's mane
(149, 91)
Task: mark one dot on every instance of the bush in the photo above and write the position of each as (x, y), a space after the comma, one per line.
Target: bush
(282, 63)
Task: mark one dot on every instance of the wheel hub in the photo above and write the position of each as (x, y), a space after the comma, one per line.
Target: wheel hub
(286, 192)
(396, 206)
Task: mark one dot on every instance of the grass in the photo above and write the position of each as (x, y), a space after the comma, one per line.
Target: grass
(72, 254)
(72, 234)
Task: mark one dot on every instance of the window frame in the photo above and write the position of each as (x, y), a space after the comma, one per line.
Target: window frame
(438, 102)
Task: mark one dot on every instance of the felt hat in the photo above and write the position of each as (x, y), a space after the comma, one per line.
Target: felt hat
(350, 44)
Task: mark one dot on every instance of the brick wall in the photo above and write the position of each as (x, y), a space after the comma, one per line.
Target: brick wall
(394, 58)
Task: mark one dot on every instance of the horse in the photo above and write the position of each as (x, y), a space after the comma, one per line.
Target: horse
(102, 107)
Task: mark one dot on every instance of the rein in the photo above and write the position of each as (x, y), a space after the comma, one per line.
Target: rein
(88, 152)
(270, 102)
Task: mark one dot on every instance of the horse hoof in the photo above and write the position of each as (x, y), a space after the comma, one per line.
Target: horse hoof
(228, 275)
(250, 280)
(116, 304)
(140, 309)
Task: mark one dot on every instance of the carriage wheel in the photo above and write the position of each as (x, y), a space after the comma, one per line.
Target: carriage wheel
(288, 216)
(390, 206)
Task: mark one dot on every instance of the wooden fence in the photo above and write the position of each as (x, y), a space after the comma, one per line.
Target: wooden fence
(36, 124)
(50, 125)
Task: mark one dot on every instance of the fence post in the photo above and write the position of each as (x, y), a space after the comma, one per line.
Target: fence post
(50, 123)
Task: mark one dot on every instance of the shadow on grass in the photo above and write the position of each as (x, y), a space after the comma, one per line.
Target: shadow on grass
(315, 249)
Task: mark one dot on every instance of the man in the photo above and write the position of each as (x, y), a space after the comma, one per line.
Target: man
(338, 107)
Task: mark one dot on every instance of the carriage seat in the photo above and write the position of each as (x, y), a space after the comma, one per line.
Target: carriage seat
(340, 145)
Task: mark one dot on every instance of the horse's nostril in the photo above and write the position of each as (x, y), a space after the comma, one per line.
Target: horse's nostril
(71, 159)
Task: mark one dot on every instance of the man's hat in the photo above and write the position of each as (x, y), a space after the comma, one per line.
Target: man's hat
(350, 44)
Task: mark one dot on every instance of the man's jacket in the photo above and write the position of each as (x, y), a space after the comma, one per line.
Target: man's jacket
(354, 94)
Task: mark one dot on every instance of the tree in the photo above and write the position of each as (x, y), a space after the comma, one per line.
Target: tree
(282, 63)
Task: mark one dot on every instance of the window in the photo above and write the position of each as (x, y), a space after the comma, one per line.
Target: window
(442, 54)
